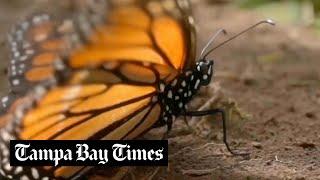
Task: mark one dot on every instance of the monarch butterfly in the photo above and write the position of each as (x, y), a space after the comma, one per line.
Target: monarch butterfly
(111, 80)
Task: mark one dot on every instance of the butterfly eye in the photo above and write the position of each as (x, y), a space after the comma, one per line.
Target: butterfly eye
(204, 68)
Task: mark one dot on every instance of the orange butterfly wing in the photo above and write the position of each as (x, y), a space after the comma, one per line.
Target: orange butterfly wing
(111, 91)
(37, 45)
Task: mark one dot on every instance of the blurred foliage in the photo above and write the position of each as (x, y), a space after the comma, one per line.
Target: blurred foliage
(299, 12)
(254, 3)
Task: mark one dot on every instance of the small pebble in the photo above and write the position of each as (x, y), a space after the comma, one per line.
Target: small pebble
(310, 115)
(310, 167)
(257, 145)
(268, 163)
(287, 148)
(307, 145)
(300, 177)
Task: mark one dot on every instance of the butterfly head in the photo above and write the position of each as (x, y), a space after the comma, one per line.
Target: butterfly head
(204, 70)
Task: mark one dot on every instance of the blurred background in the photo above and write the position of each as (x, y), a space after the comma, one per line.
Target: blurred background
(297, 12)
(268, 80)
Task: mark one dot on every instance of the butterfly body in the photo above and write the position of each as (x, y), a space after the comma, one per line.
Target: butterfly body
(175, 96)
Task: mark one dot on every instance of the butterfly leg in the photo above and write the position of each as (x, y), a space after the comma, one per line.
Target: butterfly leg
(169, 127)
(186, 121)
(223, 115)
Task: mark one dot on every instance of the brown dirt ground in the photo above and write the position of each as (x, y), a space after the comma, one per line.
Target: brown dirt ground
(269, 81)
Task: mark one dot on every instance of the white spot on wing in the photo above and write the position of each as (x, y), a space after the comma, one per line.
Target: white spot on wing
(18, 170)
(25, 25)
(170, 94)
(13, 43)
(2, 173)
(6, 136)
(5, 152)
(40, 37)
(174, 82)
(15, 82)
(25, 177)
(26, 45)
(23, 58)
(162, 86)
(35, 173)
(197, 84)
(14, 49)
(7, 167)
(184, 83)
(19, 113)
(29, 51)
(5, 99)
(16, 54)
(37, 19)
(2, 146)
(4, 161)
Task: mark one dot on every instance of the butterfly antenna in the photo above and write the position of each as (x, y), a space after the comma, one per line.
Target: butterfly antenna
(268, 21)
(211, 40)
